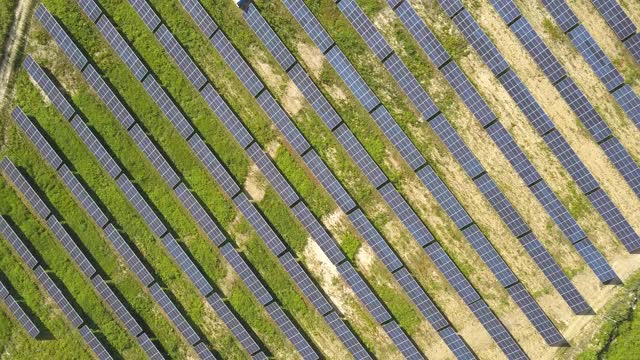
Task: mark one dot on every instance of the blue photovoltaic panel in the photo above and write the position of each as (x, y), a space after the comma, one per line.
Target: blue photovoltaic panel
(25, 188)
(406, 214)
(119, 44)
(72, 248)
(398, 138)
(375, 240)
(273, 175)
(525, 101)
(458, 347)
(558, 212)
(233, 324)
(444, 197)
(3, 291)
(57, 296)
(538, 50)
(108, 97)
(329, 181)
(149, 347)
(571, 162)
(364, 293)
(411, 87)
(20, 315)
(623, 162)
(507, 10)
(596, 58)
(394, 3)
(490, 256)
(268, 37)
(306, 285)
(116, 305)
(451, 7)
(49, 88)
(141, 205)
(10, 235)
(309, 23)
(291, 332)
(76, 188)
(618, 224)
(201, 216)
(235, 61)
(561, 13)
(629, 102)
(227, 116)
(90, 8)
(310, 91)
(180, 56)
(497, 330)
(187, 265)
(596, 261)
(402, 341)
(615, 16)
(318, 233)
(98, 150)
(134, 262)
(419, 297)
(200, 16)
(216, 169)
(501, 204)
(170, 110)
(260, 225)
(351, 77)
(36, 138)
(536, 315)
(95, 344)
(583, 109)
(203, 351)
(421, 33)
(246, 274)
(361, 157)
(283, 122)
(451, 272)
(480, 42)
(147, 14)
(468, 93)
(60, 36)
(456, 146)
(346, 335)
(154, 156)
(633, 45)
(513, 153)
(365, 28)
(174, 314)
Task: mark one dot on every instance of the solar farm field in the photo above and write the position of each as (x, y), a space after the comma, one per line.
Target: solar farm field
(298, 179)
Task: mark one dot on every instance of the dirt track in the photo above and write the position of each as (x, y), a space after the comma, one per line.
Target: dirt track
(11, 49)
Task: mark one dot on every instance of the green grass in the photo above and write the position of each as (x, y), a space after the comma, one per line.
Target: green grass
(7, 14)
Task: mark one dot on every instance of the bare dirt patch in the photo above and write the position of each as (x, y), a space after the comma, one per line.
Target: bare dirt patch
(312, 57)
(254, 184)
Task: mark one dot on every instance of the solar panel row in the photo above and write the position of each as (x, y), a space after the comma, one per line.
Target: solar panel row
(20, 248)
(421, 299)
(616, 221)
(180, 56)
(118, 307)
(513, 153)
(456, 146)
(583, 109)
(216, 169)
(167, 106)
(91, 9)
(406, 214)
(147, 14)
(598, 263)
(108, 96)
(140, 204)
(310, 24)
(562, 13)
(174, 314)
(187, 265)
(121, 47)
(227, 116)
(56, 294)
(317, 100)
(154, 156)
(246, 274)
(309, 289)
(269, 38)
(52, 91)
(411, 87)
(130, 257)
(33, 133)
(12, 172)
(405, 345)
(352, 79)
(375, 240)
(633, 45)
(451, 272)
(72, 248)
(149, 347)
(87, 202)
(273, 175)
(96, 148)
(200, 16)
(398, 138)
(259, 223)
(365, 28)
(229, 318)
(468, 93)
(570, 161)
(558, 212)
(497, 330)
(456, 344)
(507, 10)
(346, 335)
(18, 312)
(329, 181)
(203, 351)
(280, 118)
(629, 102)
(318, 233)
(364, 292)
(61, 37)
(361, 157)
(232, 57)
(95, 344)
(596, 58)
(299, 342)
(197, 211)
(623, 161)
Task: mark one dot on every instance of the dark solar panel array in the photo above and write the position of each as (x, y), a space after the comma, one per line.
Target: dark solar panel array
(375, 240)
(309, 289)
(452, 273)
(456, 146)
(293, 334)
(283, 122)
(583, 109)
(365, 28)
(141, 205)
(480, 41)
(364, 292)
(597, 261)
(4, 292)
(118, 307)
(629, 102)
(232, 57)
(444, 197)
(167, 106)
(91, 9)
(203, 351)
(180, 56)
(95, 344)
(596, 58)
(280, 184)
(57, 296)
(468, 93)
(406, 347)
(10, 235)
(216, 169)
(507, 10)
(147, 14)
(361, 157)
(311, 25)
(49, 88)
(346, 335)
(186, 264)
(36, 138)
(352, 79)
(525, 101)
(121, 47)
(319, 234)
(258, 222)
(197, 211)
(246, 274)
(451, 7)
(149, 347)
(503, 207)
(317, 100)
(574, 166)
(108, 97)
(329, 181)
(616, 221)
(513, 153)
(562, 13)
(421, 299)
(398, 138)
(60, 36)
(623, 162)
(96, 148)
(130, 257)
(174, 314)
(456, 344)
(633, 44)
(268, 37)
(410, 85)
(233, 324)
(23, 186)
(155, 157)
(558, 212)
(227, 116)
(497, 330)
(19, 313)
(200, 16)
(87, 202)
(72, 248)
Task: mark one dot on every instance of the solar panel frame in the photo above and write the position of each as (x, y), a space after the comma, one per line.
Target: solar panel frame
(445, 198)
(313, 95)
(272, 174)
(87, 202)
(507, 10)
(146, 13)
(174, 314)
(232, 322)
(214, 166)
(203, 351)
(96, 346)
(490, 256)
(561, 12)
(246, 274)
(623, 161)
(36, 137)
(76, 254)
(283, 122)
(458, 347)
(570, 161)
(268, 37)
(235, 61)
(51, 90)
(23, 186)
(421, 33)
(61, 37)
(140, 204)
(329, 181)
(187, 265)
(91, 9)
(452, 273)
(451, 7)
(168, 107)
(365, 28)
(411, 87)
(480, 42)
(291, 332)
(197, 211)
(398, 138)
(227, 116)
(497, 330)
(149, 347)
(20, 315)
(363, 291)
(558, 212)
(123, 314)
(260, 224)
(502, 205)
(583, 109)
(18, 245)
(327, 243)
(108, 96)
(309, 23)
(629, 102)
(180, 56)
(125, 251)
(596, 58)
(304, 282)
(360, 156)
(352, 79)
(56, 294)
(154, 156)
(633, 45)
(200, 17)
(4, 292)
(95, 146)
(121, 47)
(514, 154)
(382, 249)
(616, 221)
(596, 261)
(420, 298)
(407, 216)
(468, 93)
(346, 336)
(402, 341)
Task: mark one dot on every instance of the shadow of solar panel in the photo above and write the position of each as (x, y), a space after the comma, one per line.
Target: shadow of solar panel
(420, 32)
(596, 58)
(497, 330)
(468, 93)
(233, 324)
(87, 202)
(421, 299)
(618, 224)
(128, 255)
(629, 102)
(597, 262)
(20, 315)
(406, 214)
(364, 293)
(458, 347)
(167, 106)
(116, 305)
(444, 197)
(283, 122)
(308, 287)
(352, 79)
(402, 341)
(108, 97)
(203, 351)
(10, 235)
(480, 42)
(25, 188)
(538, 49)
(375, 240)
(309, 23)
(571, 162)
(268, 36)
(260, 225)
(246, 274)
(155, 157)
(50, 89)
(411, 87)
(456, 146)
(227, 116)
(329, 181)
(346, 335)
(214, 166)
(615, 16)
(451, 272)
(558, 212)
(273, 175)
(60, 36)
(95, 344)
(36, 138)
(451, 7)
(201, 216)
(318, 233)
(180, 56)
(98, 150)
(490, 256)
(291, 332)
(149, 347)
(501, 204)
(90, 8)
(57, 296)
(525, 101)
(561, 12)
(360, 155)
(174, 314)
(536, 316)
(187, 265)
(153, 221)
(317, 100)
(513, 153)
(121, 47)
(633, 45)
(237, 63)
(623, 161)
(365, 28)
(200, 16)
(72, 248)
(398, 138)
(507, 10)
(147, 14)
(583, 109)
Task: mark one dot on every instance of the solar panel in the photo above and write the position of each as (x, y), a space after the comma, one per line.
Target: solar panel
(583, 109)
(421, 299)
(180, 56)
(283, 122)
(308, 287)
(197, 211)
(309, 23)
(451, 7)
(501, 204)
(364, 292)
(246, 274)
(200, 16)
(458, 347)
(507, 10)
(421, 33)
(147, 14)
(235, 61)
(94, 343)
(50, 89)
(617, 223)
(480, 42)
(259, 356)
(216, 169)
(629, 102)
(318, 233)
(149, 347)
(260, 225)
(233, 324)
(451, 272)
(633, 45)
(268, 37)
(273, 175)
(375, 240)
(98, 150)
(227, 116)
(21, 316)
(346, 335)
(561, 12)
(72, 248)
(174, 314)
(497, 330)
(444, 197)
(558, 212)
(329, 181)
(153, 221)
(365, 28)
(398, 138)
(410, 85)
(203, 351)
(406, 214)
(596, 261)
(402, 341)
(313, 95)
(291, 332)
(571, 162)
(623, 161)
(468, 93)
(122, 48)
(108, 97)
(186, 264)
(10, 235)
(87, 202)
(36, 138)
(513, 153)
(538, 50)
(169, 109)
(128, 255)
(25, 188)
(154, 156)
(361, 157)
(60, 36)
(57, 296)
(91, 9)
(596, 58)
(116, 305)
(352, 79)
(3, 291)
(489, 255)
